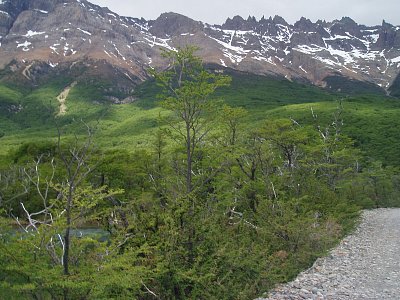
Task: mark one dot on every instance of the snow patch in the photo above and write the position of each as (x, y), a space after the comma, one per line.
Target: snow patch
(24, 46)
(117, 50)
(41, 11)
(374, 38)
(266, 59)
(337, 37)
(284, 34)
(236, 59)
(127, 75)
(286, 51)
(53, 65)
(143, 28)
(395, 60)
(301, 68)
(54, 48)
(84, 31)
(159, 42)
(335, 57)
(31, 33)
(112, 15)
(369, 30)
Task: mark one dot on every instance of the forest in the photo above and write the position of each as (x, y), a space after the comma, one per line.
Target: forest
(221, 203)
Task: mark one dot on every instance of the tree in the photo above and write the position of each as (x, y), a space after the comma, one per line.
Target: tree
(68, 199)
(187, 92)
(77, 168)
(336, 155)
(288, 138)
(232, 118)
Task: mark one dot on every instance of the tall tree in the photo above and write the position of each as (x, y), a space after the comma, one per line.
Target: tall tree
(187, 91)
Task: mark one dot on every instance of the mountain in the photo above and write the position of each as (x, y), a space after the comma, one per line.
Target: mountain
(42, 38)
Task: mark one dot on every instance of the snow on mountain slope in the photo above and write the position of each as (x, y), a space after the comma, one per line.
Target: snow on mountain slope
(70, 31)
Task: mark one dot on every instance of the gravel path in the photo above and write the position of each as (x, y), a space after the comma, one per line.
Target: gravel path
(366, 265)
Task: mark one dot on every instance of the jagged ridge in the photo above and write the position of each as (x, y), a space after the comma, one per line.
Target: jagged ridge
(62, 32)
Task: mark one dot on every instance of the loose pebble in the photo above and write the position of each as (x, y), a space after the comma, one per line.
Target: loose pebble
(365, 265)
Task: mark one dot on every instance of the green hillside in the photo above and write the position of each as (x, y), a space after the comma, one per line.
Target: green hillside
(372, 120)
(192, 198)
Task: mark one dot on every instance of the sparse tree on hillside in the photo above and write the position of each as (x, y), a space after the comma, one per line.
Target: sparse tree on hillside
(187, 92)
(66, 200)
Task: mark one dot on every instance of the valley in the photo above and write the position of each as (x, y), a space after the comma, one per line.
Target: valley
(370, 119)
(219, 160)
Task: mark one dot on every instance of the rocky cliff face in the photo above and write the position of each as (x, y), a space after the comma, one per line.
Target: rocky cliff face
(68, 33)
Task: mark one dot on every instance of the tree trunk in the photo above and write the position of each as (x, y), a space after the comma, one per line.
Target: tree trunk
(67, 235)
(189, 187)
(188, 160)
(66, 250)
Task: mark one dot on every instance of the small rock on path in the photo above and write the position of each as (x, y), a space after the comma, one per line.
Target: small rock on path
(365, 265)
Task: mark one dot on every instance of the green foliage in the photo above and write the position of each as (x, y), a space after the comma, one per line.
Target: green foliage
(29, 151)
(260, 93)
(28, 272)
(9, 95)
(187, 91)
(131, 125)
(352, 87)
(270, 188)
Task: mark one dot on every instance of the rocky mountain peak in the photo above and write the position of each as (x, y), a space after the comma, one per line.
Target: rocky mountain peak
(72, 33)
(169, 24)
(322, 23)
(348, 21)
(251, 23)
(236, 23)
(15, 7)
(252, 19)
(279, 20)
(344, 26)
(11, 10)
(47, 5)
(386, 24)
(264, 21)
(389, 37)
(305, 25)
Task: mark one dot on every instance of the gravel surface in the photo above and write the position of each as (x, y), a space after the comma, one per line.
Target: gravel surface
(365, 265)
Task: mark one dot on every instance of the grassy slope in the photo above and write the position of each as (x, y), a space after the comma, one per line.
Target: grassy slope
(374, 120)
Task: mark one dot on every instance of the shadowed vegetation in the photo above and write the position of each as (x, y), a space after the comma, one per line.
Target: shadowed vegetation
(203, 190)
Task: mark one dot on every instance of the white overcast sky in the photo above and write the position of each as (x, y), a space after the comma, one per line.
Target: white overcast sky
(367, 12)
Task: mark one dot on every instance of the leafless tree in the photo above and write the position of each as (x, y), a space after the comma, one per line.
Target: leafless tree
(75, 160)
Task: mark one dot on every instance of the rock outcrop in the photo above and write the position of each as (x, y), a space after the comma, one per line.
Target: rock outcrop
(70, 32)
